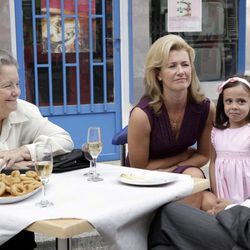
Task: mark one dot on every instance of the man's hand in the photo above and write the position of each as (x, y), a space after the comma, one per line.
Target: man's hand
(9, 157)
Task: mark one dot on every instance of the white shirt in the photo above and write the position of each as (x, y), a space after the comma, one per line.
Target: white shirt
(27, 127)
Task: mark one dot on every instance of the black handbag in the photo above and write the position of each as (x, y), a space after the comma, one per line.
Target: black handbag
(61, 163)
(70, 161)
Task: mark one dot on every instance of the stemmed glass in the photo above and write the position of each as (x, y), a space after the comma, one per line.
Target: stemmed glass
(94, 147)
(87, 155)
(44, 167)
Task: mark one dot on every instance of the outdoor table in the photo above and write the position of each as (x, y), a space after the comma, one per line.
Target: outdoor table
(116, 210)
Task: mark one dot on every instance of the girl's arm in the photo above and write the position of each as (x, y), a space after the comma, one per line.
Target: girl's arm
(212, 170)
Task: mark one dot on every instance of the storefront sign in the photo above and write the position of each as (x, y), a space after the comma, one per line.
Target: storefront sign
(184, 16)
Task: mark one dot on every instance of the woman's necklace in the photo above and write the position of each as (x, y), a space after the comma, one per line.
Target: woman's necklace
(175, 120)
(176, 108)
(174, 124)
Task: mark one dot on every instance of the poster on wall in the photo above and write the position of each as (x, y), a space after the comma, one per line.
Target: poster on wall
(73, 27)
(56, 35)
(184, 16)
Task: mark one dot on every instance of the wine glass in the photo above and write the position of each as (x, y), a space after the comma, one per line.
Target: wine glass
(94, 147)
(87, 155)
(44, 167)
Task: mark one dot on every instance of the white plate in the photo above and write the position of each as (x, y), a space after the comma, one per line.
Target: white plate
(13, 199)
(141, 180)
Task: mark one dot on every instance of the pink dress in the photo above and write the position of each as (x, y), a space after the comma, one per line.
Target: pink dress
(232, 165)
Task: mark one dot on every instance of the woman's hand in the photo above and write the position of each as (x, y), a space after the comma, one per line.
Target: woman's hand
(10, 157)
(23, 165)
(170, 169)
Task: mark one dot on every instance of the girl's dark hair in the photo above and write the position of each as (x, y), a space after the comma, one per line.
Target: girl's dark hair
(221, 119)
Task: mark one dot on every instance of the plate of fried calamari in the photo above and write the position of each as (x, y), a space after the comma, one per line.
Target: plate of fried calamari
(17, 187)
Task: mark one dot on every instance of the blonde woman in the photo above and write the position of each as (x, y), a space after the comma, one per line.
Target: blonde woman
(172, 115)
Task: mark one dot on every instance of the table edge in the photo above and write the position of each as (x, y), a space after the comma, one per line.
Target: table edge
(61, 228)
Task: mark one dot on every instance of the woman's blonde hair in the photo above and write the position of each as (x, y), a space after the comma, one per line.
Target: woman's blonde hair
(156, 58)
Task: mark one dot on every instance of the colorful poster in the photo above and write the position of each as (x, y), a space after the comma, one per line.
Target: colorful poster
(184, 16)
(70, 27)
(56, 35)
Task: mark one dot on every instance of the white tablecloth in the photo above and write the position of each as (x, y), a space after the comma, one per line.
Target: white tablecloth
(121, 213)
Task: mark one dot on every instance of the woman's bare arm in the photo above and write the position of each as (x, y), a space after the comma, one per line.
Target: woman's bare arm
(138, 145)
(202, 154)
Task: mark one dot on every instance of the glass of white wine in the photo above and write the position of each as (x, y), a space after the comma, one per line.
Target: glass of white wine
(94, 143)
(85, 150)
(44, 167)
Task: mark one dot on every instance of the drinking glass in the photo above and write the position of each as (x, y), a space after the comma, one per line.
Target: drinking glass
(44, 167)
(94, 147)
(87, 155)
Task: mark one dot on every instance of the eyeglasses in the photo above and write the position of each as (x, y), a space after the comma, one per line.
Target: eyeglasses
(9, 85)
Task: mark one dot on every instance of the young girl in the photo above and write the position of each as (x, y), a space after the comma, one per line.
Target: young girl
(230, 160)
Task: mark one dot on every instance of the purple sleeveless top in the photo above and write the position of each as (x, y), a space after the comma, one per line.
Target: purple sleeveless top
(162, 140)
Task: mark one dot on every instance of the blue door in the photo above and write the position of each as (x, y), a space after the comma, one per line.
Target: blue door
(69, 64)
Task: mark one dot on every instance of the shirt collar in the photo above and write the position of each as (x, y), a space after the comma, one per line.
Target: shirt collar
(17, 116)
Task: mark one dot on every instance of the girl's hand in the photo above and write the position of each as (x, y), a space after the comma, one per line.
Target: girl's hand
(221, 204)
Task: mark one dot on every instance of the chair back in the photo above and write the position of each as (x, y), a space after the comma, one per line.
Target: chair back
(121, 138)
